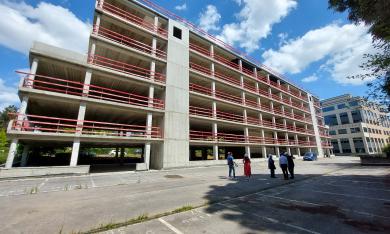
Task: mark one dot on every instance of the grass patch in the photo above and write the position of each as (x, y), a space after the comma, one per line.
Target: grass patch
(3, 156)
(182, 209)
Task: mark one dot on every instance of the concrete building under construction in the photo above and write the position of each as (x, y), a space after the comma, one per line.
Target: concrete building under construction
(155, 81)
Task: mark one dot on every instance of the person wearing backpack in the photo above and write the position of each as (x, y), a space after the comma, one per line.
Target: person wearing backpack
(230, 163)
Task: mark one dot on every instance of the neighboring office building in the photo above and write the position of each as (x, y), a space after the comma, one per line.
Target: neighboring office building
(355, 125)
(164, 85)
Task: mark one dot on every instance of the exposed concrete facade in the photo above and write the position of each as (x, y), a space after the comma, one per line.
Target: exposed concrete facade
(183, 97)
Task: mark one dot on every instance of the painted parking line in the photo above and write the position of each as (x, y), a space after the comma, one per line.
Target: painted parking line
(345, 195)
(272, 220)
(170, 226)
(316, 204)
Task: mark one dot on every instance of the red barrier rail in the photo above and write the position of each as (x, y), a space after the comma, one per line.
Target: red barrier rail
(200, 49)
(132, 18)
(37, 123)
(130, 42)
(125, 68)
(226, 62)
(199, 111)
(93, 91)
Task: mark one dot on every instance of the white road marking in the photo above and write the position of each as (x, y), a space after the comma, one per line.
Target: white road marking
(347, 195)
(168, 225)
(92, 182)
(275, 221)
(43, 183)
(316, 204)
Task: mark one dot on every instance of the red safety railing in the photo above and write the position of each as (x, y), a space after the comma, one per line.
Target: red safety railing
(226, 62)
(200, 49)
(126, 15)
(37, 124)
(93, 91)
(128, 41)
(218, 75)
(201, 69)
(199, 111)
(126, 68)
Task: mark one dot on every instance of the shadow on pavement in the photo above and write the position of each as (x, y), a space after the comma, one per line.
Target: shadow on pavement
(323, 204)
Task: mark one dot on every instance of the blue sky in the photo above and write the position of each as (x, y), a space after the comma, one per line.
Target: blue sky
(314, 47)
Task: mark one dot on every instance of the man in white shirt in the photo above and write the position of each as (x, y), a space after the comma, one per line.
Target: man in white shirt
(284, 165)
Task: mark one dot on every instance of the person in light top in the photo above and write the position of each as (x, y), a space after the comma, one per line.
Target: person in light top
(283, 162)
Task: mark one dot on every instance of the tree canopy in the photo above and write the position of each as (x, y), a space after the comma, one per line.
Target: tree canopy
(4, 118)
(376, 15)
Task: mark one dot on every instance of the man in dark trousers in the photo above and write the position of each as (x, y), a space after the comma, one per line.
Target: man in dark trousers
(271, 166)
(283, 165)
(290, 165)
(230, 163)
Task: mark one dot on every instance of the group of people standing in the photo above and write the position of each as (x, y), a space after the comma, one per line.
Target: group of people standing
(286, 163)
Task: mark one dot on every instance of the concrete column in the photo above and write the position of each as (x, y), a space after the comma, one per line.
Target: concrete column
(154, 46)
(93, 49)
(151, 96)
(289, 150)
(341, 148)
(215, 152)
(277, 151)
(244, 113)
(21, 113)
(240, 64)
(212, 51)
(80, 117)
(213, 89)
(212, 68)
(283, 109)
(97, 23)
(149, 120)
(257, 87)
(147, 155)
(155, 24)
(264, 151)
(100, 3)
(87, 82)
(278, 82)
(255, 72)
(247, 147)
(299, 152)
(271, 105)
(258, 102)
(23, 162)
(11, 153)
(33, 71)
(242, 81)
(243, 98)
(214, 109)
(152, 70)
(353, 150)
(268, 79)
(75, 152)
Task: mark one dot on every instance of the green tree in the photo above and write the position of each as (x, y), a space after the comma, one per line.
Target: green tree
(3, 139)
(375, 14)
(4, 117)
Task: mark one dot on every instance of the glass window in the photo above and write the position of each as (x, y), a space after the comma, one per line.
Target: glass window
(344, 118)
(330, 120)
(359, 145)
(353, 103)
(355, 130)
(329, 108)
(332, 132)
(369, 143)
(335, 145)
(364, 129)
(345, 146)
(341, 106)
(356, 116)
(342, 131)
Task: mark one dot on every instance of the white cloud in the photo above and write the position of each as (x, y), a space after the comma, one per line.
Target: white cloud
(8, 95)
(255, 22)
(181, 7)
(309, 79)
(342, 47)
(208, 20)
(22, 24)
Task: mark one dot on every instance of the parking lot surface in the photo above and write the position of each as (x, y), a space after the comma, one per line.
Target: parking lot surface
(328, 196)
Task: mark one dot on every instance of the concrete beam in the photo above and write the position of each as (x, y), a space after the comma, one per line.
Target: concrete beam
(11, 153)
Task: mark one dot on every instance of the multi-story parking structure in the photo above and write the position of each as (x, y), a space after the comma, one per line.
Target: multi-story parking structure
(155, 81)
(356, 126)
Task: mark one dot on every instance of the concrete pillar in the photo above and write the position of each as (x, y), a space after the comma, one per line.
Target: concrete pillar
(100, 3)
(289, 150)
(80, 117)
(97, 23)
(21, 113)
(268, 79)
(33, 71)
(152, 70)
(353, 149)
(257, 87)
(243, 98)
(240, 64)
(247, 148)
(215, 130)
(278, 82)
(154, 46)
(23, 162)
(93, 49)
(87, 82)
(242, 81)
(75, 152)
(214, 109)
(155, 24)
(299, 152)
(277, 151)
(212, 51)
(258, 102)
(215, 152)
(245, 116)
(149, 120)
(11, 153)
(212, 68)
(147, 155)
(255, 73)
(271, 106)
(339, 143)
(151, 96)
(213, 89)
(264, 151)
